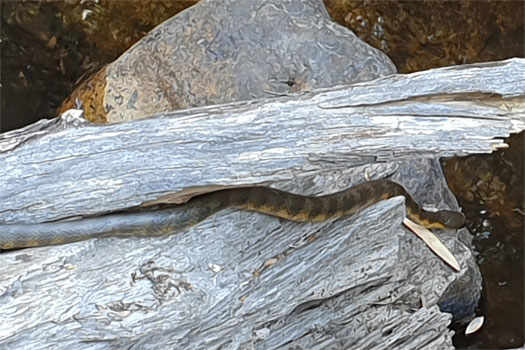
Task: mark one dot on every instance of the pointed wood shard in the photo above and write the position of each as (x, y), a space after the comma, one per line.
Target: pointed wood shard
(433, 242)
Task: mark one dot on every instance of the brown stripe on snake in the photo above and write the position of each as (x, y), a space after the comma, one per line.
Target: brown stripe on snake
(264, 200)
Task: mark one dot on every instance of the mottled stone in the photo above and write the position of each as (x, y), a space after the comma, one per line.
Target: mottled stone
(218, 52)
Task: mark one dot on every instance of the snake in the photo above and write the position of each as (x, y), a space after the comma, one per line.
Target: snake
(265, 200)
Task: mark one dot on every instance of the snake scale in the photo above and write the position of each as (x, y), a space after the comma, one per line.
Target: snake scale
(259, 199)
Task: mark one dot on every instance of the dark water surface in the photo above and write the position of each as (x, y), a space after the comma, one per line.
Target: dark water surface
(490, 189)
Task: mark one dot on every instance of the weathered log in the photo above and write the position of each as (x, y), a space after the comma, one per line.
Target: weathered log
(92, 169)
(215, 285)
(244, 280)
(241, 279)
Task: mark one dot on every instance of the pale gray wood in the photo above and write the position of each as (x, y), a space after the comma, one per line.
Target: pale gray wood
(199, 288)
(199, 276)
(92, 169)
(363, 283)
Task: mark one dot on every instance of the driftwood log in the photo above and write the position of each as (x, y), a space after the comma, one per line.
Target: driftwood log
(68, 168)
(244, 280)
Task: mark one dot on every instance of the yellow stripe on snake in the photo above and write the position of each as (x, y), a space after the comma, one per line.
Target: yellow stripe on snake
(259, 199)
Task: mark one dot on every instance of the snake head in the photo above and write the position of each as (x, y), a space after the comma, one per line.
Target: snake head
(451, 219)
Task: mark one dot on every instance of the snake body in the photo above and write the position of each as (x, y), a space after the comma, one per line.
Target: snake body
(264, 200)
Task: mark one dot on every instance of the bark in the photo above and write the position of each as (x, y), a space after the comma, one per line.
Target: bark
(244, 280)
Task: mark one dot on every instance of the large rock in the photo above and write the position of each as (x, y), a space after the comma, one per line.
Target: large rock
(231, 50)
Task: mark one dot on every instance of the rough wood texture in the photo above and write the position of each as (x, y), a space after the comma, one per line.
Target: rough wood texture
(93, 169)
(330, 284)
(244, 280)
